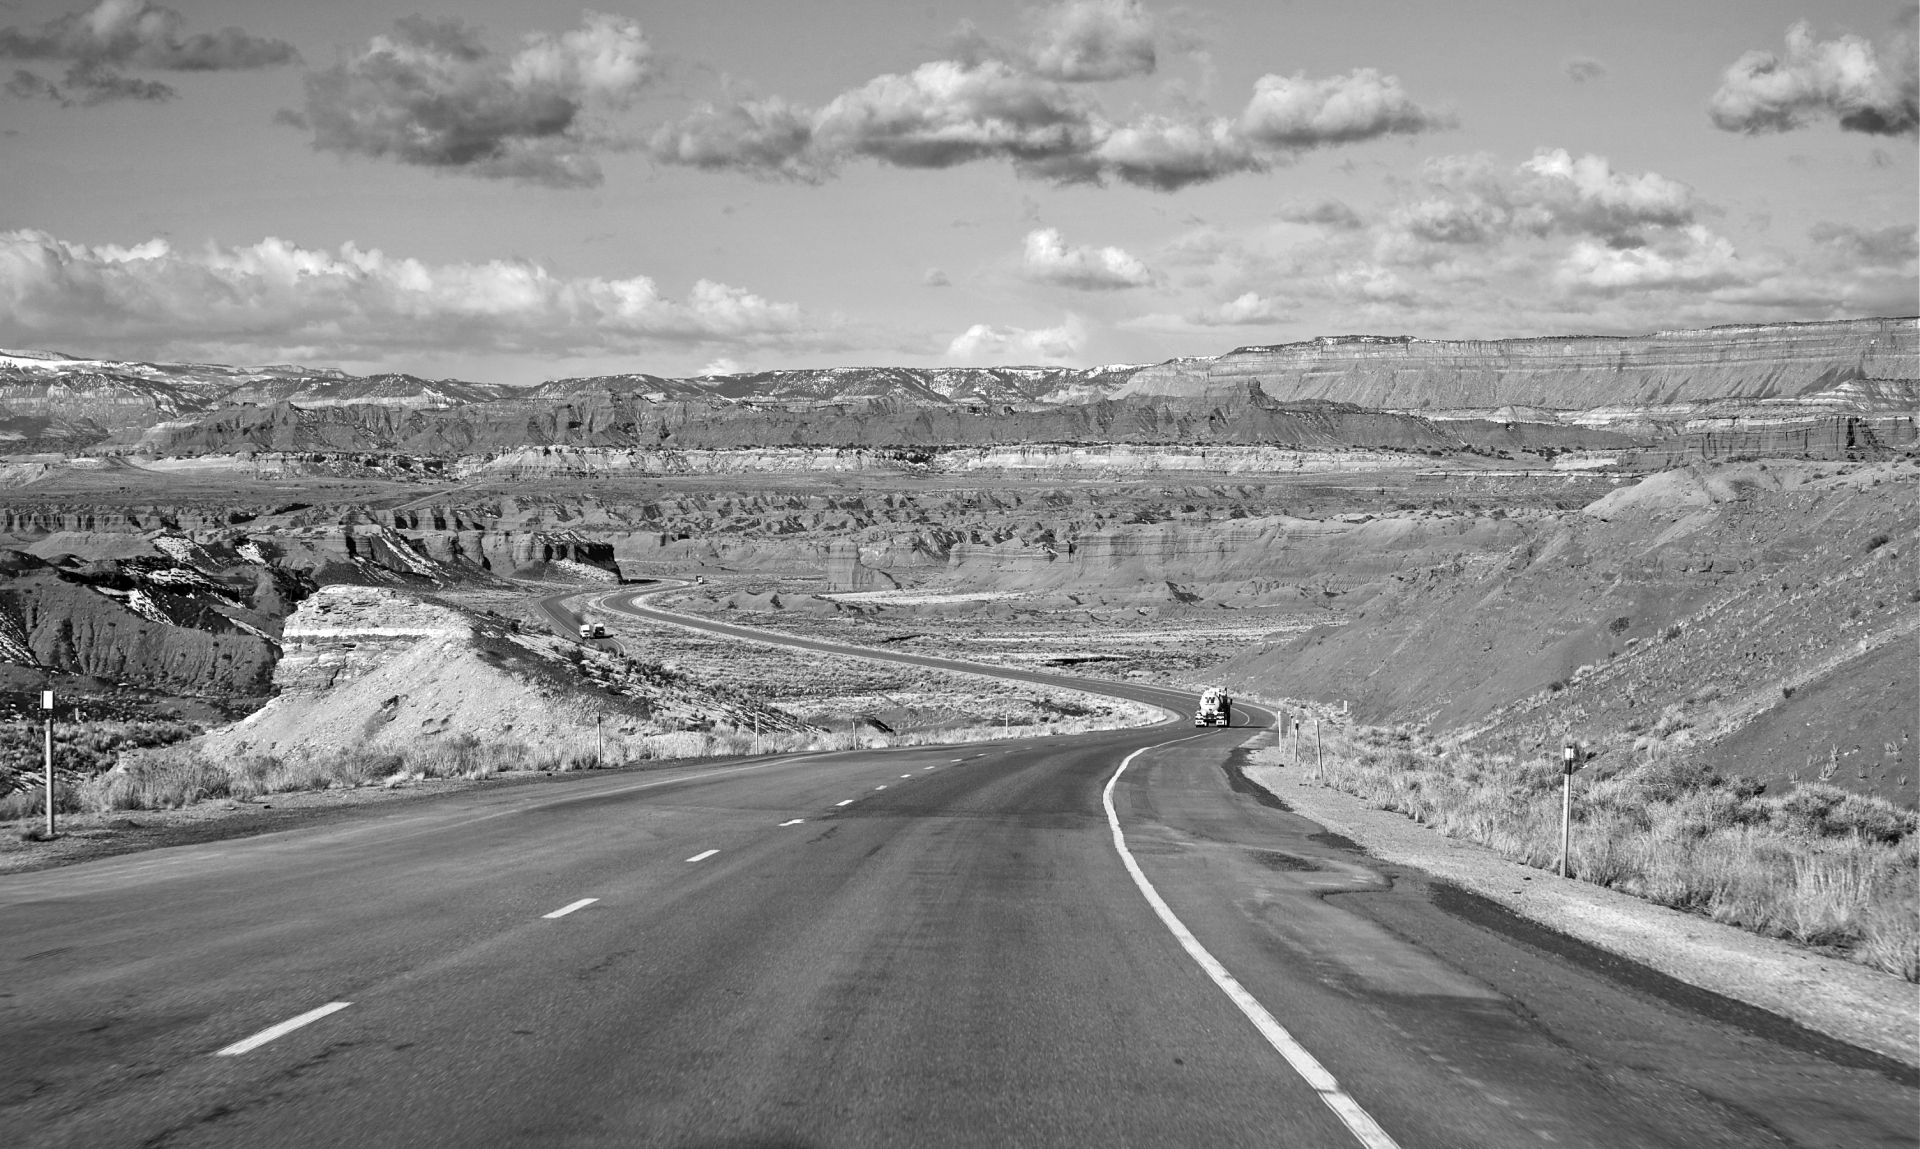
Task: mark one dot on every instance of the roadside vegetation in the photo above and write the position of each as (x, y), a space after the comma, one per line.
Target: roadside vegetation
(177, 776)
(1818, 865)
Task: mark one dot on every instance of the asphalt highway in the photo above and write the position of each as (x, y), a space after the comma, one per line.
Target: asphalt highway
(1003, 944)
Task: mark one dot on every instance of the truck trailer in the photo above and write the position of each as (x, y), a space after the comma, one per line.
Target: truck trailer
(1216, 708)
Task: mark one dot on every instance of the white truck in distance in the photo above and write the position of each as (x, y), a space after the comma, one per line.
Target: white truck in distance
(1216, 709)
(593, 630)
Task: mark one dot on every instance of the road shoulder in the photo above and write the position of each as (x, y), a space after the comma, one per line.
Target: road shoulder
(1829, 995)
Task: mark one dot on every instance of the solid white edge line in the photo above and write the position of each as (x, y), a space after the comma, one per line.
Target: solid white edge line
(281, 1030)
(1356, 1119)
(703, 855)
(563, 911)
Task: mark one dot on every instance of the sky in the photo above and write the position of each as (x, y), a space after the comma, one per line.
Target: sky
(516, 190)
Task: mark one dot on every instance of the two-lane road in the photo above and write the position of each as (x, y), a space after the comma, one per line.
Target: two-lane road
(936, 946)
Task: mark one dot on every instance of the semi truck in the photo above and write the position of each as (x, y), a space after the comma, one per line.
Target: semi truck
(593, 630)
(1216, 708)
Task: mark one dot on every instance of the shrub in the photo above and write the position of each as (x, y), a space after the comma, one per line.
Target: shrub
(1821, 865)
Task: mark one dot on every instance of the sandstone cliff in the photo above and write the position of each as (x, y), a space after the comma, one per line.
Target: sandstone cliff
(374, 667)
(1769, 361)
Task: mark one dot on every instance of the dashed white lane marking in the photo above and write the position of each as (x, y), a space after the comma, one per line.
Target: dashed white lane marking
(281, 1030)
(906, 775)
(879, 787)
(848, 802)
(793, 822)
(703, 855)
(563, 911)
(1357, 1120)
(926, 767)
(958, 760)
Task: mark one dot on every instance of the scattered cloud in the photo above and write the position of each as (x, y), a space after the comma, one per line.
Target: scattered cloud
(1048, 259)
(1894, 246)
(1865, 88)
(1032, 109)
(721, 366)
(1328, 213)
(431, 94)
(115, 34)
(1584, 69)
(936, 278)
(1248, 308)
(274, 298)
(1477, 246)
(1087, 40)
(984, 344)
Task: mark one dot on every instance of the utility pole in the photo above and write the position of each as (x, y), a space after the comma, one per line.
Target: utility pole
(1319, 755)
(46, 707)
(600, 735)
(1570, 759)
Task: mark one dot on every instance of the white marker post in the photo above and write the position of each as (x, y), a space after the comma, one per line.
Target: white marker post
(1570, 762)
(46, 707)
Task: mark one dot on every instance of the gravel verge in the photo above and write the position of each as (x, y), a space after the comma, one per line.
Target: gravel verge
(1826, 994)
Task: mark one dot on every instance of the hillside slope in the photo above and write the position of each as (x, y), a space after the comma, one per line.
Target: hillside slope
(1706, 610)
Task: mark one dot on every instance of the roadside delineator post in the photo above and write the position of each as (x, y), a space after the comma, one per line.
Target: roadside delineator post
(1570, 761)
(46, 708)
(1319, 755)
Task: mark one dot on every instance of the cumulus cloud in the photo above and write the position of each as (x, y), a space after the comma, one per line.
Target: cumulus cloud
(769, 138)
(1084, 40)
(116, 34)
(433, 95)
(1471, 200)
(1168, 153)
(1048, 259)
(1847, 78)
(1295, 113)
(721, 366)
(1033, 111)
(945, 113)
(984, 344)
(1693, 258)
(1584, 69)
(272, 297)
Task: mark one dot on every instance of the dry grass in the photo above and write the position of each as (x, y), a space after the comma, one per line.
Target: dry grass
(1820, 865)
(174, 777)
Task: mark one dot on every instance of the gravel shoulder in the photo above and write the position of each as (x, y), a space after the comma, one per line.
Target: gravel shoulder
(1828, 995)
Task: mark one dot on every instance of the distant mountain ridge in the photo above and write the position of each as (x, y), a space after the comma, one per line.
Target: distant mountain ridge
(51, 402)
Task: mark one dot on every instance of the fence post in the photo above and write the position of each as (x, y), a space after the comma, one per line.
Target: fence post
(1570, 757)
(46, 705)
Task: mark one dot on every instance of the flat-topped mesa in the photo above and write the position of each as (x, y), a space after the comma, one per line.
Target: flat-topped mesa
(1749, 361)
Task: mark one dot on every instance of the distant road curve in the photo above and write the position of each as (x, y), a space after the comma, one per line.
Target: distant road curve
(632, 602)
